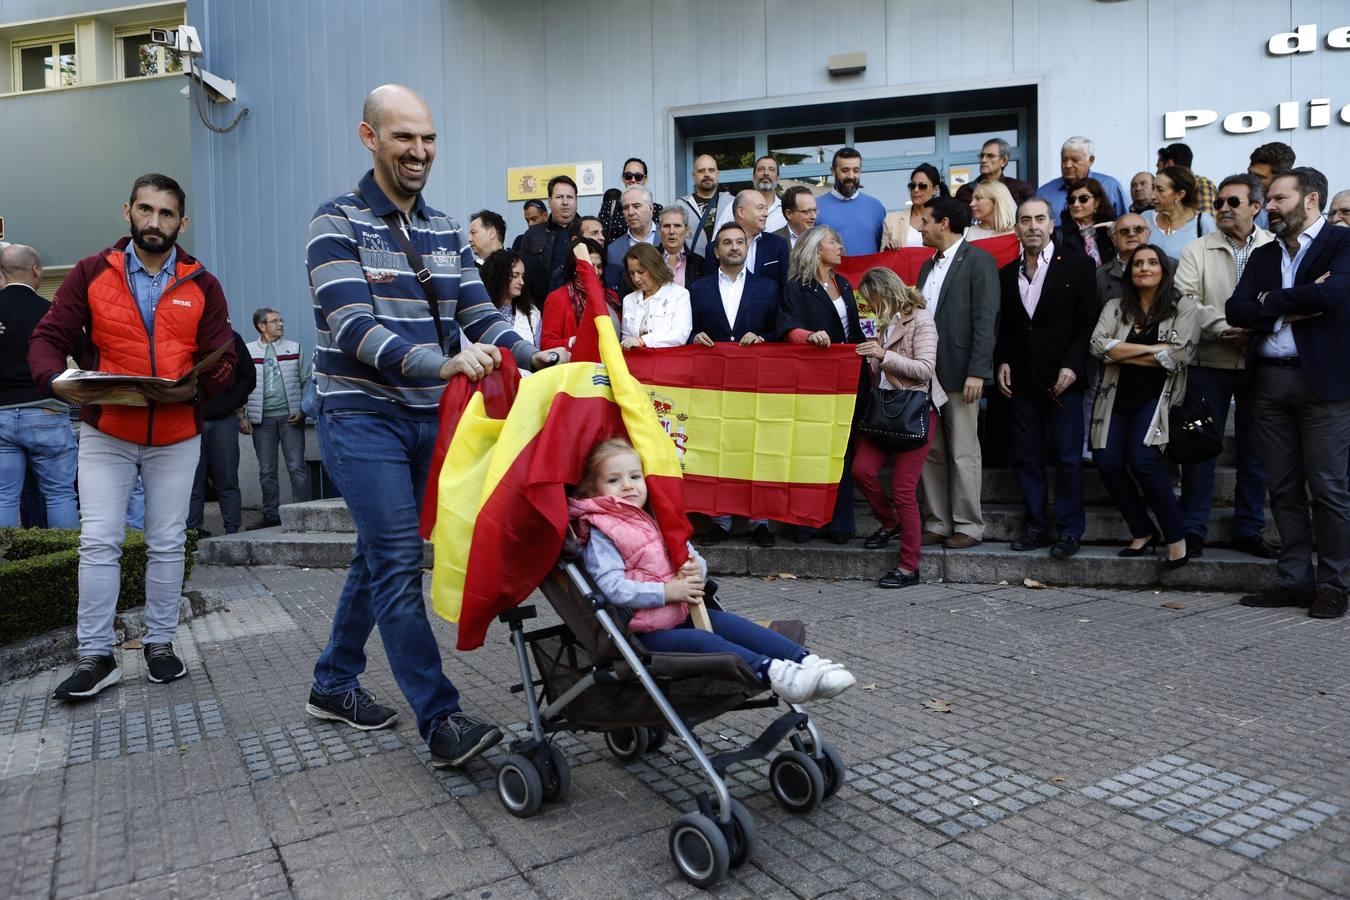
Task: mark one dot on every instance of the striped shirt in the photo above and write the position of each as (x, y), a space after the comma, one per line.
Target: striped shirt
(377, 342)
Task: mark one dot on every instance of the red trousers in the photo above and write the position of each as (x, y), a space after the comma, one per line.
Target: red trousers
(902, 507)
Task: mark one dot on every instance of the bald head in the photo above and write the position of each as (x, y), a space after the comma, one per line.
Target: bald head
(751, 212)
(397, 129)
(21, 263)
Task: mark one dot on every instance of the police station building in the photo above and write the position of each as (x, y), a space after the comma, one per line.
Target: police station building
(94, 93)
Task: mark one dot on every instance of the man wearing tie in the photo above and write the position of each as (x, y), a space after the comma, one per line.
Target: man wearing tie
(1293, 294)
(733, 304)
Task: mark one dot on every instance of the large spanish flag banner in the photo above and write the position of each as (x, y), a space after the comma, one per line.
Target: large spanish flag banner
(761, 430)
(496, 508)
(907, 261)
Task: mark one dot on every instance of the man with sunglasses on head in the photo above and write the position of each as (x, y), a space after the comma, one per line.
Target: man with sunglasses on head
(1210, 268)
(1127, 232)
(611, 210)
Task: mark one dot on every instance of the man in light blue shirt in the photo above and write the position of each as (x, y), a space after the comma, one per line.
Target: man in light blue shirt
(857, 217)
(1075, 161)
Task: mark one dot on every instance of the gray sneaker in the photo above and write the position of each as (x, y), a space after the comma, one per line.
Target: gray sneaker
(459, 739)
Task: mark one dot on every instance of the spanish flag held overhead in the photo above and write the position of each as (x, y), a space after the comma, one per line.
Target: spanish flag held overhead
(907, 261)
(496, 504)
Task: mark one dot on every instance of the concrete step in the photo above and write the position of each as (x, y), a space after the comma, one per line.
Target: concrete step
(1000, 486)
(317, 516)
(989, 563)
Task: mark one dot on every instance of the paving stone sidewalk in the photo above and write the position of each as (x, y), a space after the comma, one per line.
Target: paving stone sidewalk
(1099, 743)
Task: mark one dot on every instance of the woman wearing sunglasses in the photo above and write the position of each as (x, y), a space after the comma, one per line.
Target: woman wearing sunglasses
(901, 229)
(1176, 217)
(1083, 222)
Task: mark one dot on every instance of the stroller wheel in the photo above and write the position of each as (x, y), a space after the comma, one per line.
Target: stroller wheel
(832, 769)
(558, 778)
(796, 781)
(519, 787)
(742, 835)
(657, 739)
(627, 744)
(699, 850)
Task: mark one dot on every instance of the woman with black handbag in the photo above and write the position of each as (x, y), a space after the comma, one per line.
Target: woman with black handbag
(1146, 338)
(899, 415)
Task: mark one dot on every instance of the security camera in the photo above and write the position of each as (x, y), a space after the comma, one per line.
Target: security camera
(164, 36)
(183, 39)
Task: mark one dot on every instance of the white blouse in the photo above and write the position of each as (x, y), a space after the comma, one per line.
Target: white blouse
(661, 320)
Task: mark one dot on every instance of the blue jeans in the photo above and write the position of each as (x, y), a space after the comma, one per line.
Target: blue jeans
(753, 643)
(1125, 448)
(1219, 387)
(44, 438)
(1032, 412)
(380, 465)
(136, 506)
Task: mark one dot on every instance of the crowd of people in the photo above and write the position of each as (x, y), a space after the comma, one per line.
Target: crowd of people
(1114, 312)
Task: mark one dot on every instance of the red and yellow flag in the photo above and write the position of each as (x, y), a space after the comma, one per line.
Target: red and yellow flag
(761, 431)
(907, 261)
(496, 504)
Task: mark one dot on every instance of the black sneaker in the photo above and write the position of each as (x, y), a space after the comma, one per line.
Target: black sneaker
(356, 708)
(1029, 540)
(1280, 596)
(92, 674)
(459, 739)
(1065, 547)
(161, 665)
(716, 535)
(1328, 603)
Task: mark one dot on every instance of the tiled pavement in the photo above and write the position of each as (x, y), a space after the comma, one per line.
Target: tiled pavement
(1099, 743)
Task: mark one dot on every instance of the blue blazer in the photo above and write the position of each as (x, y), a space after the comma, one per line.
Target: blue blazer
(1259, 300)
(758, 313)
(771, 259)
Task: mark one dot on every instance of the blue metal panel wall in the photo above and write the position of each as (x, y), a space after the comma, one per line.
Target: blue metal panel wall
(303, 69)
(71, 156)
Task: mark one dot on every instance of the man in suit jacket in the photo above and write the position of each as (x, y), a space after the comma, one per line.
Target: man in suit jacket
(799, 210)
(767, 255)
(732, 304)
(1049, 308)
(1295, 295)
(961, 286)
(637, 212)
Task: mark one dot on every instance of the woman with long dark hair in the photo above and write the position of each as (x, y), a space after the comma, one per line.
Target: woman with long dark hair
(1146, 338)
(503, 275)
(1087, 212)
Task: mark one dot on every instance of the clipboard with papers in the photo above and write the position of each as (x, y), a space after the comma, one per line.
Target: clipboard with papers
(126, 390)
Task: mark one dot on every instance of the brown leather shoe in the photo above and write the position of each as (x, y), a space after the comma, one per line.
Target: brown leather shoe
(929, 538)
(1328, 603)
(960, 541)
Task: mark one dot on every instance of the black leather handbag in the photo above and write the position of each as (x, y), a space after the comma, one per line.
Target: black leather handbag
(896, 419)
(1193, 434)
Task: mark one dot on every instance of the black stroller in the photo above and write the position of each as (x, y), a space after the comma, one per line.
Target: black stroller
(596, 676)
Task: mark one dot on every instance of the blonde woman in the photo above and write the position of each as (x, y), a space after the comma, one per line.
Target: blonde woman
(992, 211)
(657, 314)
(903, 356)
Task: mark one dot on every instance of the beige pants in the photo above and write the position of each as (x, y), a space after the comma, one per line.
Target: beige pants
(952, 472)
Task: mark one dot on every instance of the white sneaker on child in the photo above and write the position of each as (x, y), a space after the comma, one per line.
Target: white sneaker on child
(834, 678)
(792, 681)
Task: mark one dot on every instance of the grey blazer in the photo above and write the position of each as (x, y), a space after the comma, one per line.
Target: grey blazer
(966, 316)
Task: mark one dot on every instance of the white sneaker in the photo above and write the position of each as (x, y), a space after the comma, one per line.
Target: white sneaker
(792, 681)
(812, 660)
(834, 678)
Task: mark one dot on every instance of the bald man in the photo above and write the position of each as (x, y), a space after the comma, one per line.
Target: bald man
(34, 430)
(380, 375)
(766, 253)
(708, 208)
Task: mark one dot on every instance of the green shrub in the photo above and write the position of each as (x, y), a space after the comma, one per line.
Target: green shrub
(39, 578)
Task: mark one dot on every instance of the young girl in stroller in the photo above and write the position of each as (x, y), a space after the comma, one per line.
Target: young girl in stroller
(624, 553)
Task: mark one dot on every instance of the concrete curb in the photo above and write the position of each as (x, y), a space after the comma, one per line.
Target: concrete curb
(57, 647)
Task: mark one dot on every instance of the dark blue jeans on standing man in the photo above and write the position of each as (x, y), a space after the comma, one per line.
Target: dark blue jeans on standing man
(1124, 449)
(380, 464)
(1032, 412)
(1219, 387)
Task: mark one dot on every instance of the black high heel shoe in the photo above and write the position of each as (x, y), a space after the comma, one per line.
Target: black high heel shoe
(1149, 549)
(1170, 564)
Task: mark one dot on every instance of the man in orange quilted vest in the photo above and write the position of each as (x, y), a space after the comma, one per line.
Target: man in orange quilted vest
(146, 308)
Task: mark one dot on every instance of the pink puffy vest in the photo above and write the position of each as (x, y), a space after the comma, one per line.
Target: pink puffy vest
(638, 540)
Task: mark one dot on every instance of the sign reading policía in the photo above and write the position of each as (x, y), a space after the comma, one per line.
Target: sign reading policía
(531, 182)
(1290, 114)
